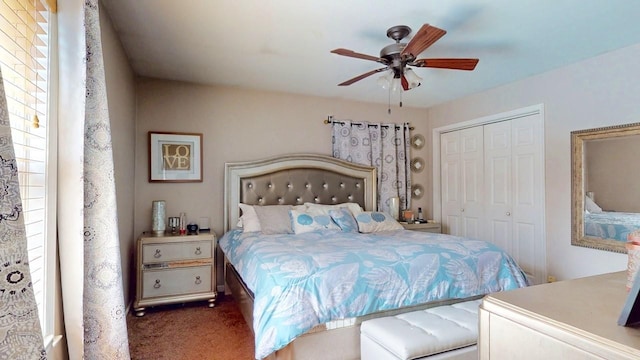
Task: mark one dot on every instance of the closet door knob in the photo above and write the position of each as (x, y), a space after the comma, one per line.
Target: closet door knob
(461, 210)
(508, 213)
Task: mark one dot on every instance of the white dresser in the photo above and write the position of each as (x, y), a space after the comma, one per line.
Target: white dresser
(575, 319)
(174, 269)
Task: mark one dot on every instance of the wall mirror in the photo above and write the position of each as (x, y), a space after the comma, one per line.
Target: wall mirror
(605, 189)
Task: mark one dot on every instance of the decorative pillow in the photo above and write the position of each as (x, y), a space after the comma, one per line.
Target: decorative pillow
(344, 218)
(249, 221)
(305, 221)
(372, 221)
(353, 207)
(274, 219)
(591, 206)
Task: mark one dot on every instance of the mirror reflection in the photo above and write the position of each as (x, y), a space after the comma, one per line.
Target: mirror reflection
(606, 190)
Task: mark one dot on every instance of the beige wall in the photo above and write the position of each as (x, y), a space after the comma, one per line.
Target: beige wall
(122, 112)
(238, 125)
(597, 92)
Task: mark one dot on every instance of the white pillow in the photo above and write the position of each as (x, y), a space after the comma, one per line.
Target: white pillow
(249, 221)
(591, 206)
(373, 221)
(309, 220)
(353, 207)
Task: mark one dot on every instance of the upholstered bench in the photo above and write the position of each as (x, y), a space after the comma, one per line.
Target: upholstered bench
(443, 332)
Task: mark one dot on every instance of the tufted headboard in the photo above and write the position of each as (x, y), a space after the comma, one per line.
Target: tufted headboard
(296, 179)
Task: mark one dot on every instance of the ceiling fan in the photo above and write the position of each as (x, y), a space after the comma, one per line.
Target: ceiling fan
(399, 56)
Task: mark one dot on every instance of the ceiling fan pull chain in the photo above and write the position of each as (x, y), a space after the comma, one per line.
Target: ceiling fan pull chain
(389, 102)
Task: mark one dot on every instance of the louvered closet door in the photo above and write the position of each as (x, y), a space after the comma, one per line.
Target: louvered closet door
(462, 182)
(513, 189)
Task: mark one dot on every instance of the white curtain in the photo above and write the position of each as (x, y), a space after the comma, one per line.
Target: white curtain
(20, 334)
(100, 302)
(384, 146)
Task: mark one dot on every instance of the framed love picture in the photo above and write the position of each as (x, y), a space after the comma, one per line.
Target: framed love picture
(175, 157)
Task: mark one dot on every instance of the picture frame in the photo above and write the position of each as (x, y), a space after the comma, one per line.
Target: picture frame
(630, 315)
(175, 157)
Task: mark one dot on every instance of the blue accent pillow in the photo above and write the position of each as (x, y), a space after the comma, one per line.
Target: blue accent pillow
(344, 219)
(374, 221)
(306, 221)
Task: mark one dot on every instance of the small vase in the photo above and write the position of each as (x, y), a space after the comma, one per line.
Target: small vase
(394, 207)
(158, 216)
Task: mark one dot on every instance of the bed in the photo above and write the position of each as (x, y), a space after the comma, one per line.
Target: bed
(283, 281)
(611, 224)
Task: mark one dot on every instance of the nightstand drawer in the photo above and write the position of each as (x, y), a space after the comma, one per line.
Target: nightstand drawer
(432, 227)
(187, 250)
(178, 281)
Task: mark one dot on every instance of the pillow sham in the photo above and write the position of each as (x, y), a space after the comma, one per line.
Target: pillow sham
(345, 220)
(248, 221)
(591, 206)
(274, 219)
(353, 207)
(374, 221)
(306, 221)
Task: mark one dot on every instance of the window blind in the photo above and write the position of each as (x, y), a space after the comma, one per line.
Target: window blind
(24, 61)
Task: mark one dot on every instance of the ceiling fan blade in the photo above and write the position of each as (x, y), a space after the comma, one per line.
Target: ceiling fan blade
(360, 77)
(350, 53)
(456, 64)
(425, 37)
(405, 83)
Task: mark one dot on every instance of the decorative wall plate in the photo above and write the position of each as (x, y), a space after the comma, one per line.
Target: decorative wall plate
(417, 191)
(417, 141)
(417, 164)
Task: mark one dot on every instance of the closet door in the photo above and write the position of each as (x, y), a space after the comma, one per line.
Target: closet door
(462, 182)
(514, 191)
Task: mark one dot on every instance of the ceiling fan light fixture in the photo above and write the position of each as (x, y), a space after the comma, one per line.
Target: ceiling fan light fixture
(396, 86)
(386, 80)
(413, 79)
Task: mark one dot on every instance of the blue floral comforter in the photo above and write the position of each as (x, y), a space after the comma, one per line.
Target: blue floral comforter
(300, 281)
(611, 225)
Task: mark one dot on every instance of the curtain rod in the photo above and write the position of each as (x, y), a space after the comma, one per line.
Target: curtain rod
(329, 120)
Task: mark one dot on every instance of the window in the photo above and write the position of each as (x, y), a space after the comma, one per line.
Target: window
(24, 58)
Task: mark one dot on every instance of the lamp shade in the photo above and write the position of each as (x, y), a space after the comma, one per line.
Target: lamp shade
(413, 79)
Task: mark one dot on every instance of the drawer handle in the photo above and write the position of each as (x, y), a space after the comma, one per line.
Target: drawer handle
(157, 284)
(198, 251)
(157, 254)
(198, 281)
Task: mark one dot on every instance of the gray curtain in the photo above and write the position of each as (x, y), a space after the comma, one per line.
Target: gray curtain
(105, 328)
(20, 334)
(384, 146)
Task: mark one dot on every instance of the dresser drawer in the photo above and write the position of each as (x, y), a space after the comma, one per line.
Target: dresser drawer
(178, 281)
(187, 250)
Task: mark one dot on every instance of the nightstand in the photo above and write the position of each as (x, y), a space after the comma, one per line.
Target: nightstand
(174, 269)
(433, 227)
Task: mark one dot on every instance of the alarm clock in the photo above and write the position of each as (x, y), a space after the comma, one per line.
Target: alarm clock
(192, 229)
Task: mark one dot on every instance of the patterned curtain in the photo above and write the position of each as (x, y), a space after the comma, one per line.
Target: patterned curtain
(105, 328)
(20, 334)
(385, 146)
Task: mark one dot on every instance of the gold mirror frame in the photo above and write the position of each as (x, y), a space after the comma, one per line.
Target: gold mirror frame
(578, 138)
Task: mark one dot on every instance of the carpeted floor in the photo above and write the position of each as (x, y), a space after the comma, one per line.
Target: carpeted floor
(191, 331)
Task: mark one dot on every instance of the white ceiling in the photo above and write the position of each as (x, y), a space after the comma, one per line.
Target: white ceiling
(283, 45)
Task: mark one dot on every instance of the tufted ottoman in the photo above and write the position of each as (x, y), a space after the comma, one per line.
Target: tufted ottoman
(443, 332)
